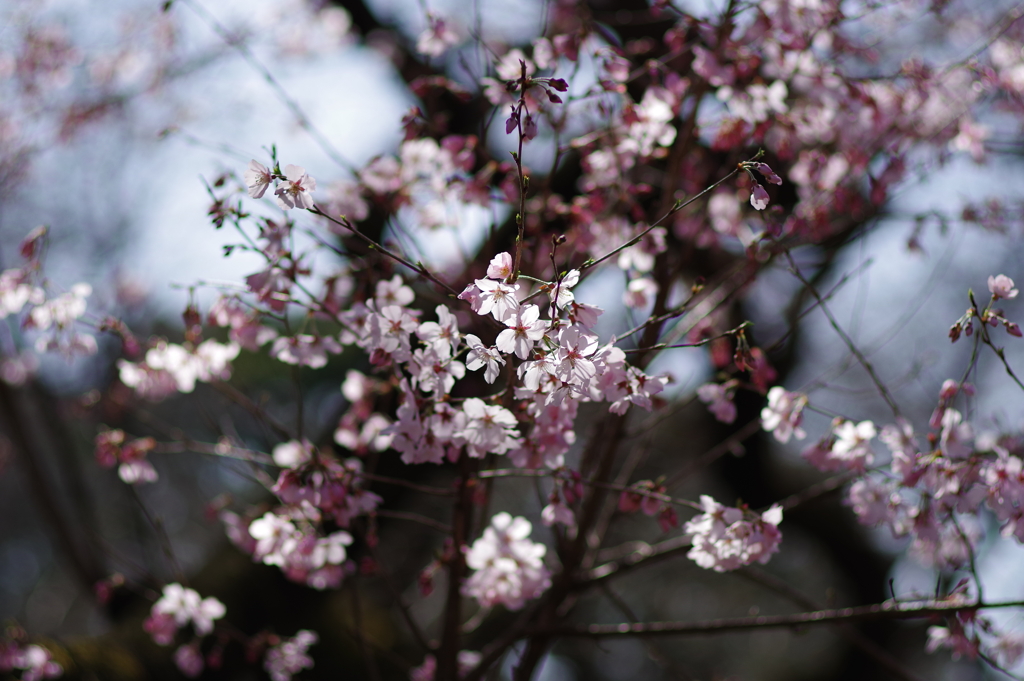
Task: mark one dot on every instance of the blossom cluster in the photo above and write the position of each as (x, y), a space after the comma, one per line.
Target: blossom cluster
(169, 368)
(290, 656)
(727, 538)
(509, 568)
(34, 662)
(179, 606)
(133, 466)
(313, 489)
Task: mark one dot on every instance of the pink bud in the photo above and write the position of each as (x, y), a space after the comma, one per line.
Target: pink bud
(668, 519)
(759, 197)
(768, 173)
(629, 502)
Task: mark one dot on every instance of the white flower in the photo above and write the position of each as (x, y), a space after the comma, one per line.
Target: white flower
(292, 454)
(783, 414)
(489, 428)
(525, 328)
(479, 355)
(257, 179)
(185, 604)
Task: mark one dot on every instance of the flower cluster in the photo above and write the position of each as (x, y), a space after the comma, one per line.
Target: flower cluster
(289, 657)
(176, 608)
(33, 661)
(467, 660)
(509, 568)
(169, 368)
(133, 467)
(313, 488)
(728, 538)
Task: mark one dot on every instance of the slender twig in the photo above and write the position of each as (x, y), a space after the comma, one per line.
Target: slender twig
(416, 518)
(238, 44)
(418, 268)
(678, 206)
(889, 610)
(864, 362)
(436, 491)
(614, 486)
(396, 594)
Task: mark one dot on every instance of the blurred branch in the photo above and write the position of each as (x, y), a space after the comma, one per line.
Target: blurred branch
(890, 610)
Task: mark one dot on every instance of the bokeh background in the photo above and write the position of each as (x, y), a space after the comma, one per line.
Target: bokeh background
(137, 108)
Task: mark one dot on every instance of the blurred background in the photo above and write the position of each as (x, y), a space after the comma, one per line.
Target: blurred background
(112, 123)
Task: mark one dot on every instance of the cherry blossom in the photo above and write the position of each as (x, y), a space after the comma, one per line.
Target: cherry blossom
(16, 292)
(851, 448)
(500, 267)
(525, 328)
(719, 400)
(437, 38)
(784, 413)
(481, 356)
(290, 656)
(640, 293)
(257, 178)
(179, 606)
(393, 291)
(758, 197)
(292, 454)
(729, 538)
(573, 359)
(34, 661)
(433, 372)
(497, 299)
(189, 660)
(1001, 286)
(489, 429)
(442, 335)
(295, 191)
(466, 659)
(509, 568)
(558, 512)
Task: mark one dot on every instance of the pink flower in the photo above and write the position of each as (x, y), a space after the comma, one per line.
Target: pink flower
(557, 512)
(729, 538)
(257, 179)
(640, 293)
(768, 173)
(851, 449)
(295, 192)
(189, 660)
(437, 38)
(290, 656)
(1001, 286)
(719, 400)
(500, 267)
